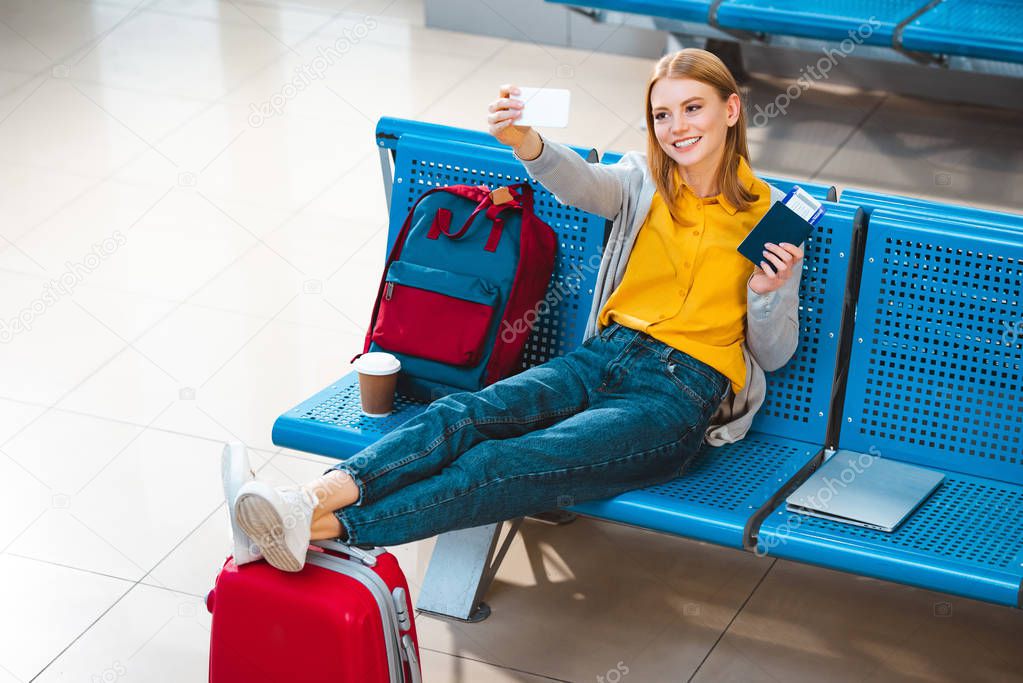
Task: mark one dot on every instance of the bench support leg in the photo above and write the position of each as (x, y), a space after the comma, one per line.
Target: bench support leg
(461, 570)
(558, 517)
(388, 174)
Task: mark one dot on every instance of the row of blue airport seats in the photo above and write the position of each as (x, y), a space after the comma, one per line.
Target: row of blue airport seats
(877, 200)
(984, 29)
(902, 352)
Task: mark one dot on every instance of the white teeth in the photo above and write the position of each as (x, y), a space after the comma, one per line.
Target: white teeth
(687, 143)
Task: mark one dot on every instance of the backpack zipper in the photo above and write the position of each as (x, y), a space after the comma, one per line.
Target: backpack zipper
(388, 291)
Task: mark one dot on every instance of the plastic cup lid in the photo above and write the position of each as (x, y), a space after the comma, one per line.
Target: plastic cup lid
(377, 363)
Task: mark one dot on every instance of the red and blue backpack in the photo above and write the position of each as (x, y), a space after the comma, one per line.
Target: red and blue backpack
(461, 288)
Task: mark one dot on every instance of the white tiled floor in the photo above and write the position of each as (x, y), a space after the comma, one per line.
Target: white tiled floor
(250, 252)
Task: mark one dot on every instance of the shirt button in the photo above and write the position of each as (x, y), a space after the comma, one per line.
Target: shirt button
(687, 264)
(696, 232)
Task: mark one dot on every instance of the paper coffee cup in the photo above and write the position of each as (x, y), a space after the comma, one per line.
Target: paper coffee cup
(378, 376)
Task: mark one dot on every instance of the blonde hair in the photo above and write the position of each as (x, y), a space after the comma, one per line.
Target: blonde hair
(706, 67)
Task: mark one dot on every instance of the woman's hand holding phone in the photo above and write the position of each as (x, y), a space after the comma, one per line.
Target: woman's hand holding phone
(502, 115)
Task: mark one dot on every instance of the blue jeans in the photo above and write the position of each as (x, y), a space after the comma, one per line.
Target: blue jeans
(623, 411)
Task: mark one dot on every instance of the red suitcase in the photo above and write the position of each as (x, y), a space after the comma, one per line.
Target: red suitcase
(347, 616)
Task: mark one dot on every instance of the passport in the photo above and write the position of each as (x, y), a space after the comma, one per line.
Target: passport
(779, 224)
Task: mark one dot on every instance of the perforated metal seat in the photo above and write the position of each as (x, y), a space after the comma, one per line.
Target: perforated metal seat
(988, 29)
(720, 495)
(871, 22)
(934, 380)
(331, 421)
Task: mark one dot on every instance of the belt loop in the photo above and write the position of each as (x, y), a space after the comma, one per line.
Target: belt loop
(666, 353)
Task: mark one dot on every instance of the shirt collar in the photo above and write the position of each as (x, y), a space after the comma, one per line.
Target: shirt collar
(746, 179)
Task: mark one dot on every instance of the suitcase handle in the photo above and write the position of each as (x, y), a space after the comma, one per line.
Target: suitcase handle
(367, 557)
(378, 590)
(404, 626)
(413, 660)
(397, 649)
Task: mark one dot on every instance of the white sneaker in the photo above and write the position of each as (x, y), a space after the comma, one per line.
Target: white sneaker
(236, 472)
(278, 520)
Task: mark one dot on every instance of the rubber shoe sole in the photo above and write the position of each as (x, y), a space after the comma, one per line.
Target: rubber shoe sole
(258, 517)
(235, 471)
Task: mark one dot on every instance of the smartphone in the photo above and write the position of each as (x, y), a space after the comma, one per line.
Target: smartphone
(544, 107)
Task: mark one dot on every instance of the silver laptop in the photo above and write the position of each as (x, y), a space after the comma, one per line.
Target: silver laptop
(865, 490)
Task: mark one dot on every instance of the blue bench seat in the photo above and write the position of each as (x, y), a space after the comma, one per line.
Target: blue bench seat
(331, 423)
(934, 380)
(719, 497)
(965, 539)
(826, 20)
(987, 29)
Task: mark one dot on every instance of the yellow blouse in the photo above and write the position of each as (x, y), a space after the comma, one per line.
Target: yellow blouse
(686, 286)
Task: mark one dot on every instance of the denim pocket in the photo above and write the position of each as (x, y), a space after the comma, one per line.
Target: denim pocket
(696, 383)
(677, 374)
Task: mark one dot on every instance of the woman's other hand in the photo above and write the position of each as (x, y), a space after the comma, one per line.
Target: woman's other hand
(780, 262)
(501, 118)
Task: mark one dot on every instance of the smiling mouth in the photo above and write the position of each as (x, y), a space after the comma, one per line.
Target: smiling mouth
(687, 143)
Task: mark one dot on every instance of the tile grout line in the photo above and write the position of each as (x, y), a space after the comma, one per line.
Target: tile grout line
(117, 420)
(92, 43)
(730, 622)
(855, 129)
(68, 566)
(165, 300)
(496, 666)
(84, 631)
(134, 585)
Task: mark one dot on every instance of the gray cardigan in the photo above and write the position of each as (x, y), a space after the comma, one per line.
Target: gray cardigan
(622, 193)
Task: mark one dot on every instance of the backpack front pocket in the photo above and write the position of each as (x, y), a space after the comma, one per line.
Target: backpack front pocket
(435, 314)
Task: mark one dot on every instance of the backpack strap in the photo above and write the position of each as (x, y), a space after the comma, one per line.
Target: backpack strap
(522, 199)
(486, 203)
(441, 224)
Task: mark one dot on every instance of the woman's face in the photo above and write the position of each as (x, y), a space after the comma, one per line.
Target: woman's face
(691, 121)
